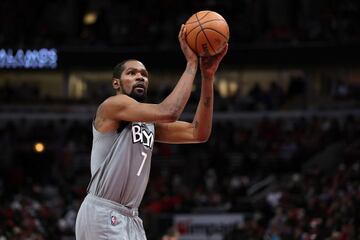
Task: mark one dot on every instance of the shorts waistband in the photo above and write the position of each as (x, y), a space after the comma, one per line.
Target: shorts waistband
(131, 212)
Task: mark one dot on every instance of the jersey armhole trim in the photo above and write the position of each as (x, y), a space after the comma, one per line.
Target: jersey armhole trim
(102, 133)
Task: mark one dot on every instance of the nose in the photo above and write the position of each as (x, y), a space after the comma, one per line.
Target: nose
(140, 77)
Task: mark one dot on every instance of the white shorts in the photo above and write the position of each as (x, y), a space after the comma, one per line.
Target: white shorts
(100, 218)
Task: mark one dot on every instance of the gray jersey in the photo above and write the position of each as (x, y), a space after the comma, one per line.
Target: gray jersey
(120, 163)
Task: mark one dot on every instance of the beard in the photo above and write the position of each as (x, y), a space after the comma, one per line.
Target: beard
(140, 97)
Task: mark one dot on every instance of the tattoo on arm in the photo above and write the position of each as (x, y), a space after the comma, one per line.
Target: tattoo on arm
(196, 124)
(207, 102)
(177, 105)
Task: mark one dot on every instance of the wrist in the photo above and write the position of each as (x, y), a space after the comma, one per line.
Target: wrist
(192, 63)
(191, 66)
(207, 75)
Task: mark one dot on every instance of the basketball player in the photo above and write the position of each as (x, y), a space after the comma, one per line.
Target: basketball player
(124, 131)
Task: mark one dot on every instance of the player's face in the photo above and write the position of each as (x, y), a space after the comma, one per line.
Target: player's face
(134, 80)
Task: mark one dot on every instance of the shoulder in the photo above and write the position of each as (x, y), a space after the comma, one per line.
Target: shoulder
(114, 100)
(114, 103)
(103, 121)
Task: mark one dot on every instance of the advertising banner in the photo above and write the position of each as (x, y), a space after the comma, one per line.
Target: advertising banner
(206, 226)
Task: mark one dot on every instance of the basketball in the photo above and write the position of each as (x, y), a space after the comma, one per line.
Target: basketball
(207, 33)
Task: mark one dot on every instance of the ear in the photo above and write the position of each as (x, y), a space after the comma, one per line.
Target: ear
(116, 84)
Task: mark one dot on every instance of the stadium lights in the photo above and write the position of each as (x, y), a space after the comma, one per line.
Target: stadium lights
(90, 18)
(39, 147)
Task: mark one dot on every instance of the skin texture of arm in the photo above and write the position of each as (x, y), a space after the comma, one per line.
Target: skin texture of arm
(200, 128)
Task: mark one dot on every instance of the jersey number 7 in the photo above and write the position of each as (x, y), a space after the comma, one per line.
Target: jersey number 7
(142, 164)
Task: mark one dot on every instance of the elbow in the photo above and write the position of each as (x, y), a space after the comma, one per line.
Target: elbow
(203, 138)
(201, 134)
(172, 114)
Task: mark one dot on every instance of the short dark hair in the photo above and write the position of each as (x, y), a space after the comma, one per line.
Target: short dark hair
(120, 67)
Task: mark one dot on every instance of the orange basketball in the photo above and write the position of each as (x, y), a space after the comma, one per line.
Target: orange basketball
(207, 32)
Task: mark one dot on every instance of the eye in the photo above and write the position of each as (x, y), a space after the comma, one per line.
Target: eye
(132, 73)
(144, 74)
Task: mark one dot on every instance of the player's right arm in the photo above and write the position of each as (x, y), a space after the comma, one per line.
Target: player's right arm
(124, 108)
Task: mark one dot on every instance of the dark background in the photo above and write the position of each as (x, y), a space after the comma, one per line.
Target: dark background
(300, 144)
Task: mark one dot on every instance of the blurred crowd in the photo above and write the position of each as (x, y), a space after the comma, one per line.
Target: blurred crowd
(340, 95)
(44, 163)
(311, 205)
(40, 191)
(155, 23)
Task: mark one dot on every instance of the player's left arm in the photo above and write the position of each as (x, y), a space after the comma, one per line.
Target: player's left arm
(200, 128)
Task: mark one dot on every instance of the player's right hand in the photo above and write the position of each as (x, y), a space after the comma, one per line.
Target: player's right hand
(188, 52)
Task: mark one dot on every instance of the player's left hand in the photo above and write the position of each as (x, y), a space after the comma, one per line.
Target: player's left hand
(210, 64)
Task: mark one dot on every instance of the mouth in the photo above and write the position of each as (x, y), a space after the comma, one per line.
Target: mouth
(139, 88)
